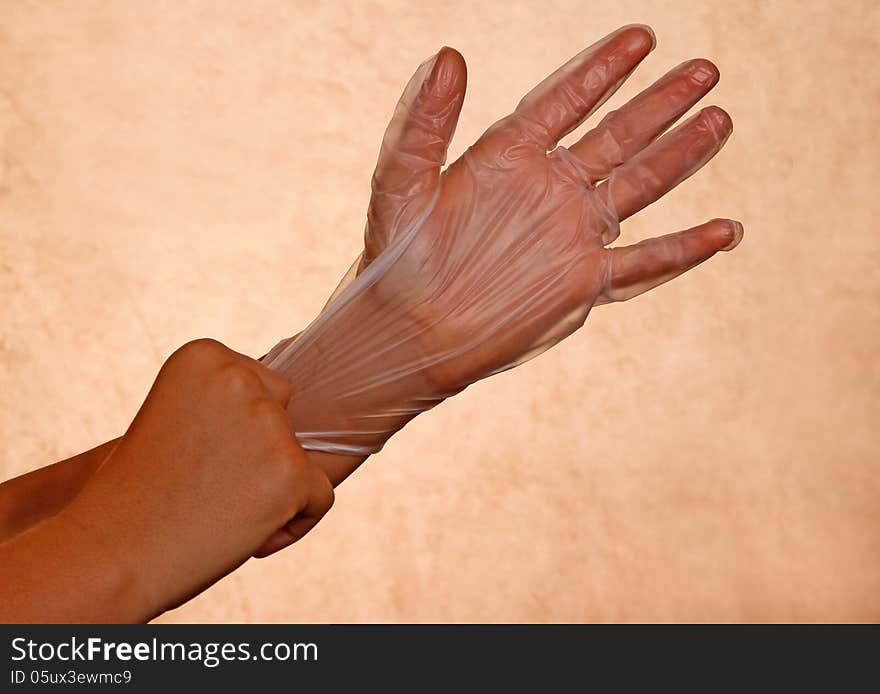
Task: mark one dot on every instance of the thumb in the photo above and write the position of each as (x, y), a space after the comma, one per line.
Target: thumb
(414, 146)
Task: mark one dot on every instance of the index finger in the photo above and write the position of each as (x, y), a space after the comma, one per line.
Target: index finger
(562, 101)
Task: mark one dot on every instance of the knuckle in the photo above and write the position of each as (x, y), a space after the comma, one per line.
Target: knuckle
(202, 347)
(290, 463)
(526, 129)
(238, 378)
(282, 384)
(272, 420)
(200, 351)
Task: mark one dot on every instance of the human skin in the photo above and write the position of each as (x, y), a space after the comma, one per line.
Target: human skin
(35, 496)
(207, 471)
(420, 132)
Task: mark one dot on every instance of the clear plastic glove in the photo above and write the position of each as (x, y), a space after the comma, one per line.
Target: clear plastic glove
(474, 270)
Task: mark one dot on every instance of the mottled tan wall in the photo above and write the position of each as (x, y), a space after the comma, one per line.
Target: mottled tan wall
(707, 452)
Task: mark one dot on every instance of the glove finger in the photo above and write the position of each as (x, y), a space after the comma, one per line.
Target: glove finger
(640, 267)
(625, 132)
(415, 144)
(416, 139)
(670, 160)
(567, 97)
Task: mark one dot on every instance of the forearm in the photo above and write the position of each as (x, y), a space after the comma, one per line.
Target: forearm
(30, 498)
(60, 572)
(35, 496)
(40, 494)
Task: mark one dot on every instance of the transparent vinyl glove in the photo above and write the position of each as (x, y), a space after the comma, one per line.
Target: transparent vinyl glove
(479, 267)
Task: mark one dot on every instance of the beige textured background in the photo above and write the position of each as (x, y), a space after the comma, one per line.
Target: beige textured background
(707, 452)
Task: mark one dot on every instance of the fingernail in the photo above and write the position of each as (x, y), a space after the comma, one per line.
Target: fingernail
(738, 232)
(441, 76)
(704, 75)
(651, 33)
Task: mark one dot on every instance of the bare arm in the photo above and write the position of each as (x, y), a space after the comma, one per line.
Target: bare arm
(35, 496)
(38, 495)
(206, 472)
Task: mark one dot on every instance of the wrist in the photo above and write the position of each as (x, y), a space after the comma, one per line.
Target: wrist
(57, 572)
(352, 393)
(116, 578)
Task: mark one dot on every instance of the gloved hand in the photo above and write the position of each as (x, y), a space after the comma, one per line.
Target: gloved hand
(476, 269)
